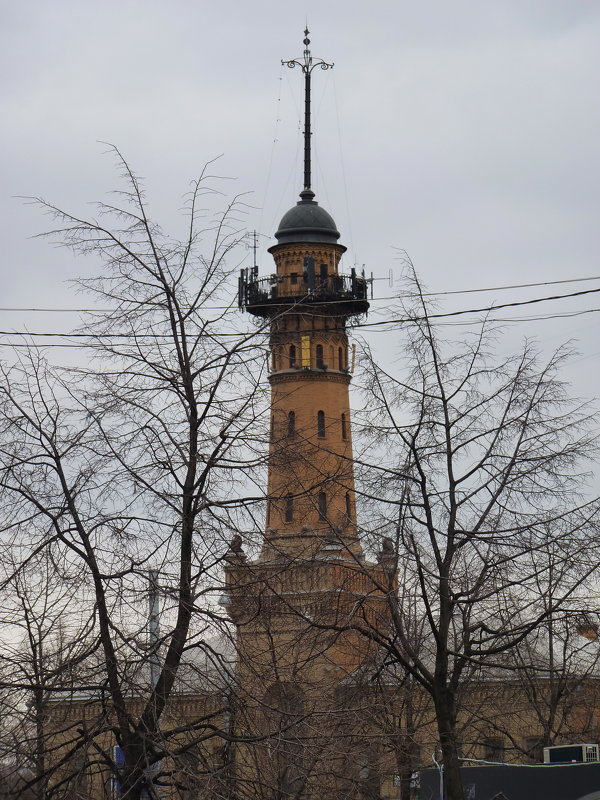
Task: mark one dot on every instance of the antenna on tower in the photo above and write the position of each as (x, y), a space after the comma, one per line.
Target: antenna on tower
(307, 64)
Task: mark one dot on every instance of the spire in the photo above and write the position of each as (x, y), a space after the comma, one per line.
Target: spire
(307, 64)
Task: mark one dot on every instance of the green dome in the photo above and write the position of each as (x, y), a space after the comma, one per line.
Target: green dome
(307, 222)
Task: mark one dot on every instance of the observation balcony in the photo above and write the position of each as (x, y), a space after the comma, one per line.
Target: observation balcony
(265, 296)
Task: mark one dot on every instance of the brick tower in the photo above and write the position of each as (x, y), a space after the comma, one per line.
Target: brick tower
(298, 605)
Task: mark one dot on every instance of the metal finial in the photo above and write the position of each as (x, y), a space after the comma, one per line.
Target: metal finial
(307, 64)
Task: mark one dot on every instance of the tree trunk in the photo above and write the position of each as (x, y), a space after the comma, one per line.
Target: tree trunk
(453, 789)
(40, 744)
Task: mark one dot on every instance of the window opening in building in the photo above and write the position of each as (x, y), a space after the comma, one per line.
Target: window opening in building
(534, 748)
(323, 275)
(322, 504)
(493, 749)
(341, 358)
(294, 278)
(348, 505)
(292, 355)
(289, 508)
(291, 423)
(344, 427)
(321, 424)
(320, 356)
(305, 355)
(274, 361)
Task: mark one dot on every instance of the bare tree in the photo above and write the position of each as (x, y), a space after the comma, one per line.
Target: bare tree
(46, 642)
(140, 459)
(555, 671)
(480, 470)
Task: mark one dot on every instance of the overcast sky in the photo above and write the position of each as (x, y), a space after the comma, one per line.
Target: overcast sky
(465, 133)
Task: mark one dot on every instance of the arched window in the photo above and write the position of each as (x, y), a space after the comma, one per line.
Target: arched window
(341, 358)
(289, 508)
(348, 505)
(322, 505)
(291, 430)
(319, 356)
(323, 277)
(321, 424)
(344, 427)
(292, 355)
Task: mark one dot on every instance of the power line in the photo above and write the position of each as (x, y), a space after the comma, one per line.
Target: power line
(389, 297)
(485, 309)
(377, 324)
(466, 323)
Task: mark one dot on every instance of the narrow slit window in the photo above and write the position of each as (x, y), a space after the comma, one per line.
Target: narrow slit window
(344, 427)
(319, 354)
(291, 423)
(348, 505)
(294, 278)
(289, 508)
(341, 358)
(321, 424)
(322, 504)
(274, 361)
(292, 355)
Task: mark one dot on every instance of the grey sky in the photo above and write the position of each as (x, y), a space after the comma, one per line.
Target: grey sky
(467, 133)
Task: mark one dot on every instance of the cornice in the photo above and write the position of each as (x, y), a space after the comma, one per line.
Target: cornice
(309, 375)
(300, 249)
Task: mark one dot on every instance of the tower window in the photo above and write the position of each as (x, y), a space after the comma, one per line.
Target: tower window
(323, 274)
(292, 355)
(344, 427)
(341, 358)
(319, 356)
(348, 505)
(289, 508)
(321, 424)
(291, 430)
(294, 278)
(322, 505)
(274, 361)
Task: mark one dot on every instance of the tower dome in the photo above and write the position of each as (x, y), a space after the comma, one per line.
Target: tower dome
(307, 222)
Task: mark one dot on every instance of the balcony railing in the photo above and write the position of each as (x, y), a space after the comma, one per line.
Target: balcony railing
(255, 293)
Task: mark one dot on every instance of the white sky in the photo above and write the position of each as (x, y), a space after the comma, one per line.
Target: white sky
(466, 133)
